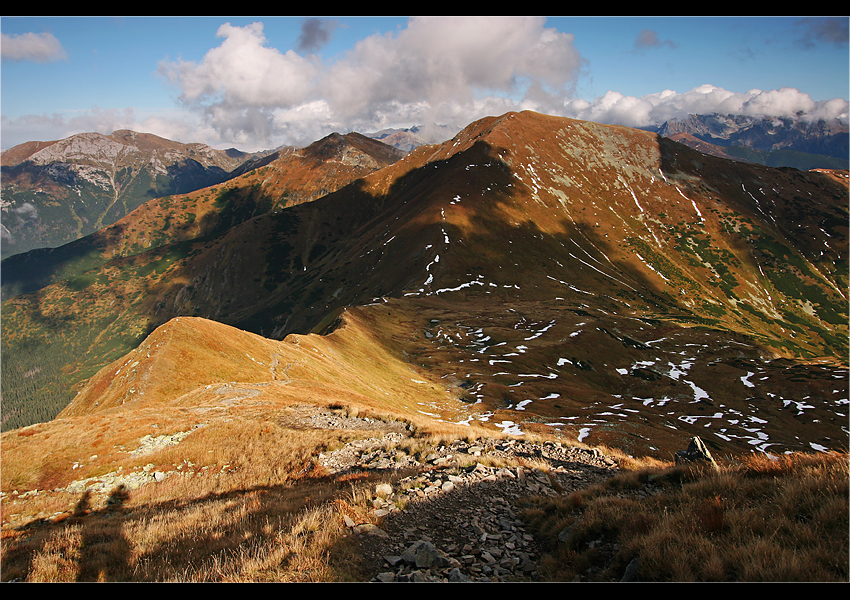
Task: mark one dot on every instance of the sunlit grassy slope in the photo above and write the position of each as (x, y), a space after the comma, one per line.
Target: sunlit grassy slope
(590, 279)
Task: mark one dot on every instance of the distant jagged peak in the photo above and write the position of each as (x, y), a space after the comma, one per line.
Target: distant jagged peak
(727, 126)
(410, 138)
(82, 146)
(803, 142)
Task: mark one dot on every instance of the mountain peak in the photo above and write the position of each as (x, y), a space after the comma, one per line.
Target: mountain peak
(775, 141)
(535, 264)
(352, 147)
(59, 191)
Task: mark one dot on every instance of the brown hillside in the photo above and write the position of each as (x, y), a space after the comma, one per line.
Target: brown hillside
(21, 152)
(592, 281)
(291, 177)
(192, 363)
(295, 176)
(57, 192)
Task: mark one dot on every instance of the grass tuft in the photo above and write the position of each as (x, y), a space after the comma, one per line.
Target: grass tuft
(757, 519)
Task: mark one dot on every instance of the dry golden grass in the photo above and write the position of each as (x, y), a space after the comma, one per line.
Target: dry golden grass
(277, 534)
(244, 499)
(257, 513)
(759, 519)
(44, 456)
(246, 507)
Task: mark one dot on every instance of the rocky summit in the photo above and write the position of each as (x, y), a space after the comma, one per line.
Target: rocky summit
(59, 191)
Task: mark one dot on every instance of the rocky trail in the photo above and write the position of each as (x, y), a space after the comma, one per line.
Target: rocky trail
(457, 516)
(441, 511)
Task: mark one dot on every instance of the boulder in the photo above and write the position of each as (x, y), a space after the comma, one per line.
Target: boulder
(423, 554)
(697, 452)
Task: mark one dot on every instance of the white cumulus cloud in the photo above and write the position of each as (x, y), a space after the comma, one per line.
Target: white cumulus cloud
(243, 71)
(434, 69)
(36, 47)
(448, 62)
(448, 71)
(655, 109)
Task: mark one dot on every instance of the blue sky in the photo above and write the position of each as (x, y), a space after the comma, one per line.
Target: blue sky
(260, 82)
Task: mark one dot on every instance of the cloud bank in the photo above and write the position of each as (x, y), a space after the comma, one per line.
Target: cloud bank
(432, 71)
(655, 109)
(247, 94)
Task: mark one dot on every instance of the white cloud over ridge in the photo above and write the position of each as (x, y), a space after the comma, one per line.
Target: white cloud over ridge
(655, 109)
(244, 93)
(431, 71)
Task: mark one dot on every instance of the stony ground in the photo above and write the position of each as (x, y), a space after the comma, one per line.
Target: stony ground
(448, 511)
(456, 517)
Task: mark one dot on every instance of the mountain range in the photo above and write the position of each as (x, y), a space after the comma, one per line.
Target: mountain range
(776, 142)
(406, 139)
(55, 192)
(531, 274)
(284, 178)
(59, 191)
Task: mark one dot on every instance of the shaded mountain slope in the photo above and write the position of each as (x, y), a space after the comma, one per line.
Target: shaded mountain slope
(288, 177)
(554, 274)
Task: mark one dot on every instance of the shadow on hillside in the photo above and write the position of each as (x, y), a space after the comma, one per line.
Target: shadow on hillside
(105, 551)
(352, 247)
(87, 545)
(96, 545)
(291, 265)
(285, 272)
(31, 271)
